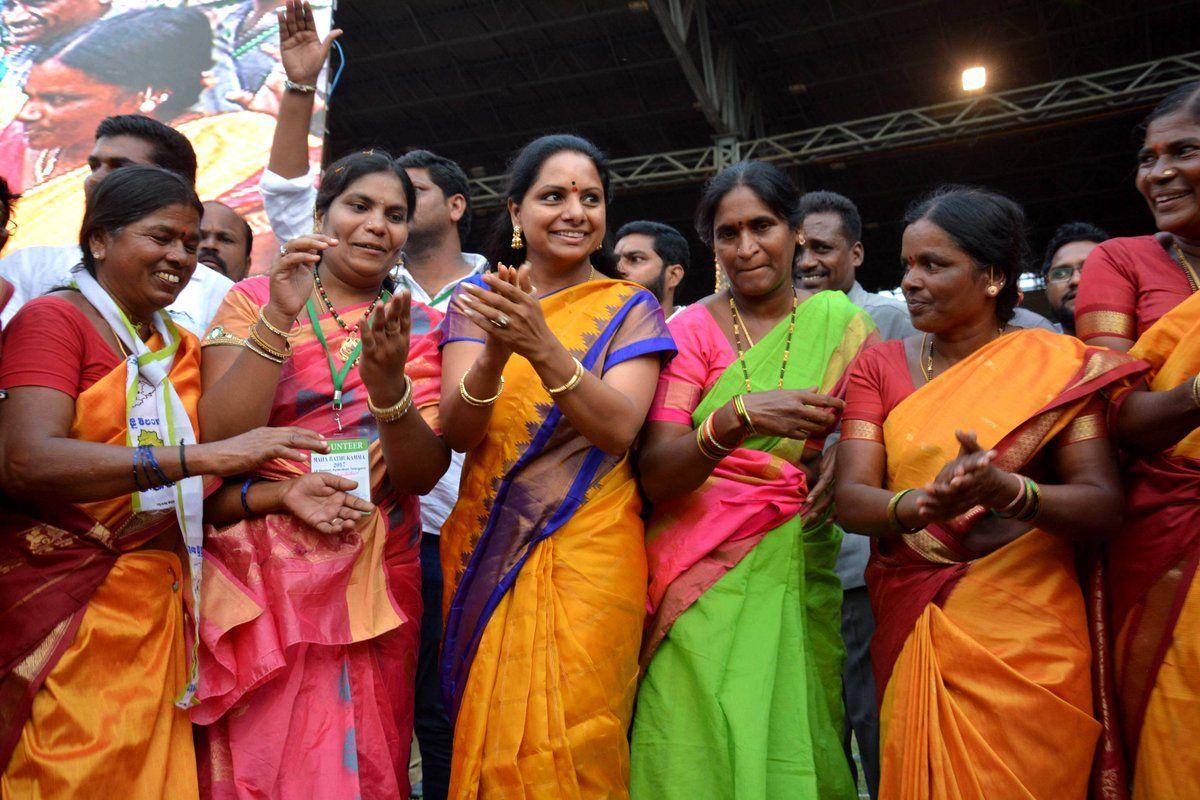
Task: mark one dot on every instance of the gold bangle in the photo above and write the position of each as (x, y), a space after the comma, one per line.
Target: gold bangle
(257, 338)
(1196, 391)
(477, 401)
(254, 348)
(281, 334)
(397, 409)
(739, 408)
(571, 383)
(709, 431)
(705, 450)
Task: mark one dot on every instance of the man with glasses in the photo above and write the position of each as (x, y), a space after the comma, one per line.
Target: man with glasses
(1069, 247)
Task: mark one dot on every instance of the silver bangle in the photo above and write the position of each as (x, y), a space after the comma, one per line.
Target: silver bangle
(303, 88)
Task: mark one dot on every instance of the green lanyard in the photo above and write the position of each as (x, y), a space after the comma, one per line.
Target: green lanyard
(337, 376)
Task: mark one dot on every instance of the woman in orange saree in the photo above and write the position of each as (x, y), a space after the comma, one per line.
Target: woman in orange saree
(312, 606)
(977, 452)
(1140, 294)
(102, 491)
(544, 560)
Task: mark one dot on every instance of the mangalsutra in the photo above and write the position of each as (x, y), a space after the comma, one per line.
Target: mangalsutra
(351, 341)
(1185, 264)
(739, 325)
(926, 355)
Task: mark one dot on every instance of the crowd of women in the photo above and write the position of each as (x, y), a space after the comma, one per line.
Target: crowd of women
(209, 577)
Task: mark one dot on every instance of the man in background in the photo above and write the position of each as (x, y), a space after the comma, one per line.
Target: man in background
(654, 255)
(225, 241)
(1062, 268)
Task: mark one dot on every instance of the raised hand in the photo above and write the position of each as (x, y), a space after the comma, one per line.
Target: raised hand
(508, 311)
(243, 453)
(301, 50)
(291, 280)
(322, 501)
(791, 413)
(385, 339)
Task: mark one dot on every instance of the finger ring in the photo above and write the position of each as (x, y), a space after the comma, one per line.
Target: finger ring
(501, 322)
(283, 251)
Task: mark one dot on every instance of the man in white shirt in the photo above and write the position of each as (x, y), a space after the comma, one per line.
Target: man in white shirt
(120, 141)
(656, 256)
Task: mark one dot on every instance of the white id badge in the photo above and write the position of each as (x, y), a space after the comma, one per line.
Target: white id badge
(349, 459)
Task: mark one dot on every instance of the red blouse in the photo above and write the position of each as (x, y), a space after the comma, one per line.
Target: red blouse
(1127, 285)
(51, 343)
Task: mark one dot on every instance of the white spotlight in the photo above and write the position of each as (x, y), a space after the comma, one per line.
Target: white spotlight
(974, 79)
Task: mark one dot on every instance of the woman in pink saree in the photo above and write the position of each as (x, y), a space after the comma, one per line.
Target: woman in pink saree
(309, 649)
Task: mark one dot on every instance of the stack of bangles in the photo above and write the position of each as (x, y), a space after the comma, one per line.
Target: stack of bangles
(396, 410)
(1026, 505)
(478, 402)
(893, 513)
(706, 440)
(575, 379)
(151, 475)
(258, 345)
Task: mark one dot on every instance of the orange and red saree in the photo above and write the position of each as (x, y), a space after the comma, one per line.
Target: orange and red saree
(1152, 575)
(309, 642)
(985, 661)
(545, 570)
(92, 653)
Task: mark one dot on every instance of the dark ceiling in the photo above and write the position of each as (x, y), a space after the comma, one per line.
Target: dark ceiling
(475, 80)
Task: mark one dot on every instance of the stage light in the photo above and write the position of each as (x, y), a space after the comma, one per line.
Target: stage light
(974, 79)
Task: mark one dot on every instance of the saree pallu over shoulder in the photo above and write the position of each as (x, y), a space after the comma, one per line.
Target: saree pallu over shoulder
(1152, 577)
(53, 560)
(692, 541)
(741, 695)
(954, 628)
(545, 575)
(543, 470)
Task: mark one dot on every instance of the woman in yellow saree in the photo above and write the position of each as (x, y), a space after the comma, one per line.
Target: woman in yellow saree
(102, 492)
(545, 567)
(977, 452)
(1139, 294)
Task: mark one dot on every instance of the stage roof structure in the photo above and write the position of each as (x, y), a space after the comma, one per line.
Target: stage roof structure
(858, 96)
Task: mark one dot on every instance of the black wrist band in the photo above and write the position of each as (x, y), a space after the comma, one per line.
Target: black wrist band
(183, 462)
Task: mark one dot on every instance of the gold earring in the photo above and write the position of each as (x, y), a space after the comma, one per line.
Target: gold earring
(316, 221)
(993, 290)
(517, 244)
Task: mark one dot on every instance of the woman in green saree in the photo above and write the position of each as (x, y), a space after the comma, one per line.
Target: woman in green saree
(742, 658)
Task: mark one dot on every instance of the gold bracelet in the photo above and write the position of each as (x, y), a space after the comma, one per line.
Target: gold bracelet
(709, 431)
(281, 334)
(254, 348)
(571, 383)
(476, 401)
(397, 409)
(256, 337)
(739, 408)
(1196, 391)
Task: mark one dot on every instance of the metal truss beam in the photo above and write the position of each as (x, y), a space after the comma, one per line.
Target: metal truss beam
(711, 67)
(1016, 108)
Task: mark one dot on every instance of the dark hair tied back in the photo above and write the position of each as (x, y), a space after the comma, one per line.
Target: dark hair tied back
(127, 195)
(523, 170)
(1183, 98)
(771, 184)
(988, 227)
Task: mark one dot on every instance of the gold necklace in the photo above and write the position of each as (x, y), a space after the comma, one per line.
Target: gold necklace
(739, 324)
(351, 340)
(1185, 264)
(926, 356)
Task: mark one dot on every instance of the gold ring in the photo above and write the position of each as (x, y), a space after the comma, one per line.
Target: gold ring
(501, 322)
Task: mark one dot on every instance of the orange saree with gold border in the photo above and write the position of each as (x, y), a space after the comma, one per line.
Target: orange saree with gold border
(985, 660)
(92, 655)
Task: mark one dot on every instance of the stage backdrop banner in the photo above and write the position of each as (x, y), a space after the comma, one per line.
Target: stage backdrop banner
(209, 68)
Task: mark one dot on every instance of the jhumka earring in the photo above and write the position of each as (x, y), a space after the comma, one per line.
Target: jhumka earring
(517, 244)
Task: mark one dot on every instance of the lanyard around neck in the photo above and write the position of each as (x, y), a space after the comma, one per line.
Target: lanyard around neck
(336, 376)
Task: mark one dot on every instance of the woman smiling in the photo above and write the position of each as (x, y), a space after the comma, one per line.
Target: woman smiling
(548, 373)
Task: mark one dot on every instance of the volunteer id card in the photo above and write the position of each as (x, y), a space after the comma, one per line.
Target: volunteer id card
(349, 459)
